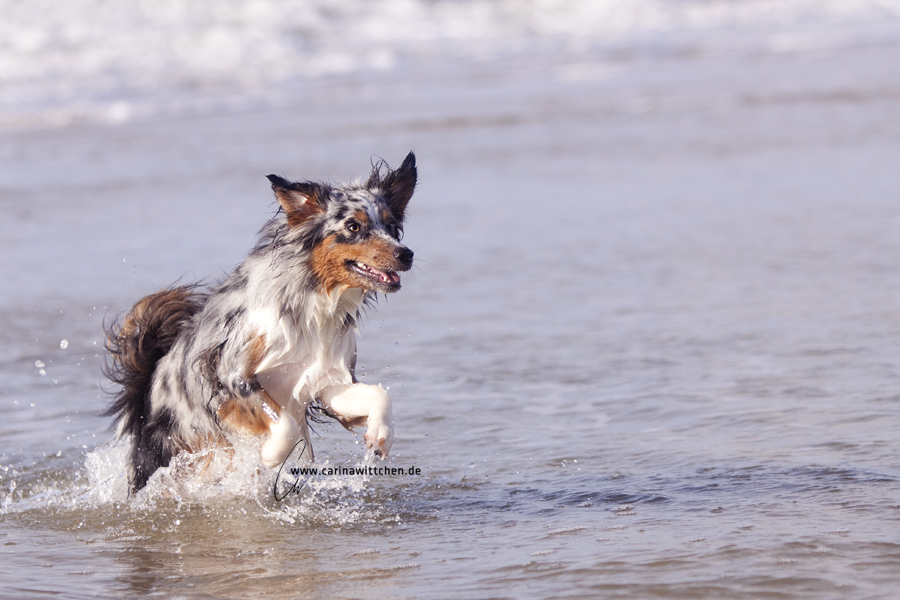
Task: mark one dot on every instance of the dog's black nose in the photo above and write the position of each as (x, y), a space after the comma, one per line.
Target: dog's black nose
(404, 255)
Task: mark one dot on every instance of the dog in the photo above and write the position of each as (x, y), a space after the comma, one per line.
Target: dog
(273, 345)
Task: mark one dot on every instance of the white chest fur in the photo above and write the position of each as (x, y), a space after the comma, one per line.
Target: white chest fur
(310, 351)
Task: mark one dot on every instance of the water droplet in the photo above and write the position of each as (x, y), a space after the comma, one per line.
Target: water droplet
(39, 364)
(64, 344)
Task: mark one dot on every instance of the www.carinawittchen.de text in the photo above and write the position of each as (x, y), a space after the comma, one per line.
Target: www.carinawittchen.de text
(364, 470)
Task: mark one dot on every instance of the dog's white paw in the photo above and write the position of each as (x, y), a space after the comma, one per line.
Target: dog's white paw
(379, 437)
(283, 435)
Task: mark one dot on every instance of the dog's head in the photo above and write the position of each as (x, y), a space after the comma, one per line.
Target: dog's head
(353, 231)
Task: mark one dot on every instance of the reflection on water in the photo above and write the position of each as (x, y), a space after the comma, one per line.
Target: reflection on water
(649, 346)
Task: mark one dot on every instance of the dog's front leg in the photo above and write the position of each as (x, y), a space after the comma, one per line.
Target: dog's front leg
(283, 436)
(253, 411)
(359, 403)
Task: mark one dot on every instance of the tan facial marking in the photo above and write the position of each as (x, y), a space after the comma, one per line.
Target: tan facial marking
(330, 257)
(362, 218)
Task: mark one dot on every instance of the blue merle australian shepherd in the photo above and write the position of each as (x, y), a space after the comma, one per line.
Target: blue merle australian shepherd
(254, 355)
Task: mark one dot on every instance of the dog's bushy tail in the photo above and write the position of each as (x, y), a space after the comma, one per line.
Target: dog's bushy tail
(137, 344)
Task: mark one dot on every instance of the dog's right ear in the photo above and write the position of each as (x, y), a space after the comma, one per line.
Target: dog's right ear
(300, 200)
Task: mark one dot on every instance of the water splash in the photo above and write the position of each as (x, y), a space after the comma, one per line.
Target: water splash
(93, 492)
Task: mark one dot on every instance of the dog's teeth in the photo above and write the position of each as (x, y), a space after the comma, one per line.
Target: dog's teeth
(388, 277)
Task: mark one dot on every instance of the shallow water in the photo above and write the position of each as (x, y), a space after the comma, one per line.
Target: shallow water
(649, 349)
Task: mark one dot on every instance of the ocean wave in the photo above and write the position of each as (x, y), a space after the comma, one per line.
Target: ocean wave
(112, 60)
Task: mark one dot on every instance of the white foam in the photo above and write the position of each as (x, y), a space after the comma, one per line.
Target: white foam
(216, 478)
(103, 61)
(105, 468)
(224, 480)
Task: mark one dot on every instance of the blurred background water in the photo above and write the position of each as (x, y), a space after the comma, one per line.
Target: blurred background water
(649, 348)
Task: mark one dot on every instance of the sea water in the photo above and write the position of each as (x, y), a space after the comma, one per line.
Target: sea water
(649, 347)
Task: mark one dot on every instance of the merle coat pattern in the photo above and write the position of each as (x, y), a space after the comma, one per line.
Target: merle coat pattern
(251, 355)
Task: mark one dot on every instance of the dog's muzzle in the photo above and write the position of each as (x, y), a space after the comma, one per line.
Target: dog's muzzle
(404, 256)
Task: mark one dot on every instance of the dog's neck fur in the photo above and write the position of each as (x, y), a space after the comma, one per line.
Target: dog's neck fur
(304, 326)
(324, 308)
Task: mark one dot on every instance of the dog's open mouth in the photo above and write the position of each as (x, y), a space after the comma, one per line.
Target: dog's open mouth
(388, 279)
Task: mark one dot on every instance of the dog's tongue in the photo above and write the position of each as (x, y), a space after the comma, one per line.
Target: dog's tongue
(385, 277)
(391, 278)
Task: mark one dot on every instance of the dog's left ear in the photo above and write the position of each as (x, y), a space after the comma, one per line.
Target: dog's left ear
(398, 186)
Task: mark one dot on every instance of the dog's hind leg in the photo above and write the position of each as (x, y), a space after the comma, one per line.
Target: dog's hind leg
(358, 404)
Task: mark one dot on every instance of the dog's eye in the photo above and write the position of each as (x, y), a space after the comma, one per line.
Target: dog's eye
(354, 227)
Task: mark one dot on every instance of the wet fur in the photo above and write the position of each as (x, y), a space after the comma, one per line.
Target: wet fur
(254, 354)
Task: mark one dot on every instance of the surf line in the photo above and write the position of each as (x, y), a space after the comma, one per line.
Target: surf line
(295, 487)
